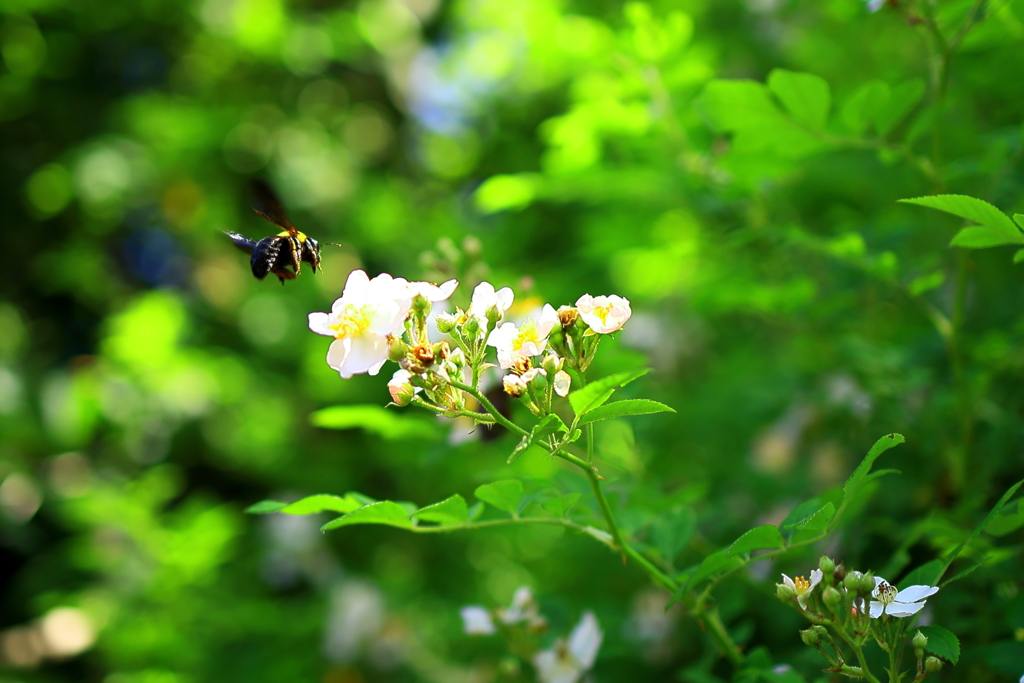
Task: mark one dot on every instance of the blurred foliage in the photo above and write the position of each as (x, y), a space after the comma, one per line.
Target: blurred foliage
(731, 166)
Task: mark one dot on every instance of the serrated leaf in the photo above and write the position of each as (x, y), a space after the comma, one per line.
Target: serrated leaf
(560, 505)
(926, 575)
(805, 96)
(819, 520)
(504, 494)
(625, 408)
(982, 237)
(385, 512)
(926, 283)
(942, 643)
(881, 446)
(765, 537)
(801, 512)
(972, 209)
(374, 419)
(672, 531)
(448, 512)
(596, 393)
(265, 507)
(902, 99)
(547, 426)
(863, 105)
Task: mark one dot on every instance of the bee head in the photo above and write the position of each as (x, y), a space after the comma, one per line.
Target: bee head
(311, 252)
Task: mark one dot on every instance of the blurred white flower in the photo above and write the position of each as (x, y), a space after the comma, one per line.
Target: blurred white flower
(904, 603)
(484, 297)
(604, 314)
(523, 609)
(360, 321)
(526, 340)
(802, 587)
(875, 5)
(566, 662)
(476, 621)
(429, 290)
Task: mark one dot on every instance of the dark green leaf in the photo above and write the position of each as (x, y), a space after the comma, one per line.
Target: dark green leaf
(504, 494)
(560, 505)
(449, 511)
(819, 520)
(1019, 256)
(948, 560)
(902, 99)
(926, 575)
(856, 479)
(942, 643)
(672, 531)
(384, 512)
(806, 97)
(759, 538)
(625, 408)
(596, 393)
(801, 512)
(1003, 524)
(375, 419)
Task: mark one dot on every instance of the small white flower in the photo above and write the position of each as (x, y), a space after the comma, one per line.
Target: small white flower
(523, 607)
(476, 621)
(566, 662)
(401, 389)
(562, 383)
(802, 587)
(604, 314)
(429, 290)
(875, 5)
(360, 321)
(484, 297)
(904, 603)
(525, 341)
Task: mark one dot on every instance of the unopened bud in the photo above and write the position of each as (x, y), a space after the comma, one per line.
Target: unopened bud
(832, 597)
(514, 385)
(826, 564)
(552, 364)
(933, 665)
(445, 322)
(421, 306)
(920, 641)
(784, 592)
(821, 631)
(867, 583)
(840, 572)
(568, 315)
(397, 349)
(852, 582)
(562, 383)
(494, 316)
(441, 350)
(809, 637)
(402, 391)
(472, 327)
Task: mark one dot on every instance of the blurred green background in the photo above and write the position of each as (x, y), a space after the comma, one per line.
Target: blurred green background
(792, 311)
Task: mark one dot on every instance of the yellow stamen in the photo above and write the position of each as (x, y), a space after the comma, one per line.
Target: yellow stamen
(527, 333)
(801, 584)
(351, 322)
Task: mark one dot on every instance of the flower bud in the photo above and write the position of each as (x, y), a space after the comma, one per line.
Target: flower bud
(552, 364)
(840, 573)
(826, 564)
(441, 350)
(472, 327)
(397, 349)
(867, 583)
(832, 598)
(568, 315)
(809, 637)
(852, 582)
(514, 385)
(421, 306)
(920, 642)
(821, 631)
(562, 383)
(445, 322)
(494, 316)
(401, 389)
(784, 592)
(933, 665)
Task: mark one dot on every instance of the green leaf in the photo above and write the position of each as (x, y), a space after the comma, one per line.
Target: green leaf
(948, 560)
(863, 105)
(1019, 256)
(448, 512)
(977, 210)
(672, 531)
(596, 393)
(1003, 524)
(384, 512)
(547, 426)
(942, 643)
(982, 237)
(962, 574)
(801, 512)
(805, 96)
(506, 192)
(560, 505)
(627, 407)
(375, 419)
(902, 99)
(926, 575)
(1018, 218)
(759, 538)
(265, 507)
(504, 494)
(731, 105)
(321, 502)
(926, 283)
(856, 479)
(819, 520)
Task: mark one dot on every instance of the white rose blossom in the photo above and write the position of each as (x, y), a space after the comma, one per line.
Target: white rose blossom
(898, 603)
(802, 587)
(523, 341)
(604, 314)
(360, 322)
(484, 297)
(476, 621)
(429, 290)
(567, 661)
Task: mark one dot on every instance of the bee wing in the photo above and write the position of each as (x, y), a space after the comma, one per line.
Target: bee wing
(241, 241)
(266, 204)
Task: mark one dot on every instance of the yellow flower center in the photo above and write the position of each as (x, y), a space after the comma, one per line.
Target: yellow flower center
(602, 312)
(353, 321)
(801, 584)
(527, 333)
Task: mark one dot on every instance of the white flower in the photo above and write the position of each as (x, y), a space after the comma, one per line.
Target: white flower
(604, 314)
(523, 607)
(484, 297)
(566, 662)
(524, 341)
(875, 5)
(401, 389)
(360, 322)
(898, 603)
(802, 587)
(430, 291)
(562, 382)
(476, 621)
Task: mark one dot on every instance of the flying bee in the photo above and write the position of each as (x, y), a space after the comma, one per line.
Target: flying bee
(275, 253)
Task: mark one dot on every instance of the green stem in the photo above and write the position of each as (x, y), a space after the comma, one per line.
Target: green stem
(859, 651)
(489, 407)
(715, 627)
(602, 502)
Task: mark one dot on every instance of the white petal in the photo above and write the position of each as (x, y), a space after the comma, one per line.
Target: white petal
(903, 609)
(504, 297)
(876, 609)
(915, 593)
(816, 576)
(554, 669)
(788, 582)
(563, 381)
(318, 323)
(476, 621)
(385, 317)
(446, 289)
(338, 353)
(585, 640)
(356, 284)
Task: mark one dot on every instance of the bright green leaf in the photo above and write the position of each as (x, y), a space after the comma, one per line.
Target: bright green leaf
(902, 99)
(759, 538)
(449, 511)
(732, 105)
(926, 283)
(628, 407)
(311, 505)
(863, 105)
(596, 393)
(504, 494)
(265, 507)
(506, 192)
(375, 419)
(805, 96)
(547, 426)
(976, 210)
(1003, 524)
(942, 643)
(562, 504)
(982, 237)
(801, 512)
(881, 446)
(384, 512)
(672, 531)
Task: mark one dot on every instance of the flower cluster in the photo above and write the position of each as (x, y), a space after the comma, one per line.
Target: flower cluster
(392, 318)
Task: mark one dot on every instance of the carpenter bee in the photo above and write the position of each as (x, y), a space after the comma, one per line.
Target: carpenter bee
(275, 253)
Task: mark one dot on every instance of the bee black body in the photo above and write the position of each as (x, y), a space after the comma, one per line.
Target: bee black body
(275, 253)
